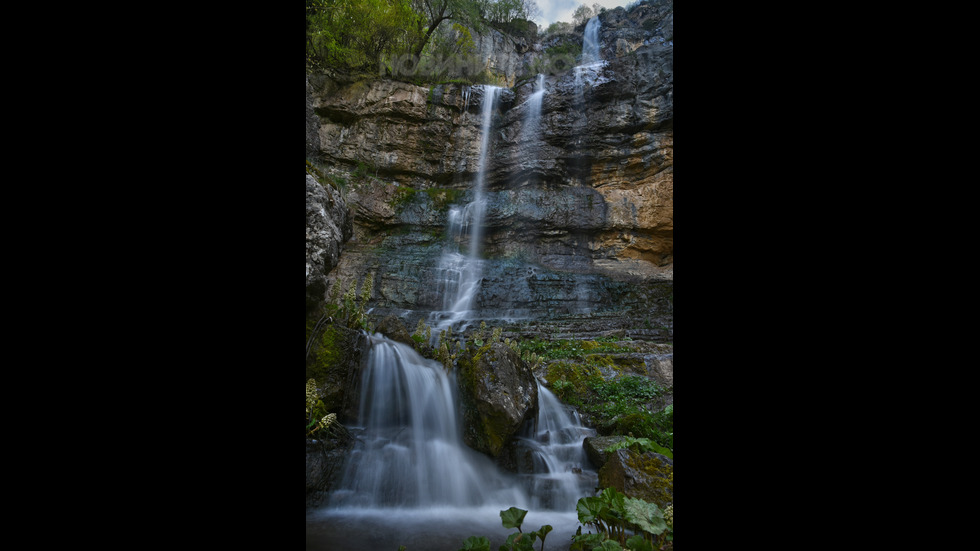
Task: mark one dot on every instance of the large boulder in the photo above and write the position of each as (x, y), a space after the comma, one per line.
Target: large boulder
(648, 476)
(498, 393)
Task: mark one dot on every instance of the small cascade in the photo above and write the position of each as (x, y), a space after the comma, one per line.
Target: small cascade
(589, 69)
(531, 131)
(532, 116)
(556, 470)
(590, 42)
(461, 274)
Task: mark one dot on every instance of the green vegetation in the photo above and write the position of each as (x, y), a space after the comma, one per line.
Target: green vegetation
(642, 445)
(328, 340)
(356, 35)
(621, 523)
(613, 516)
(518, 541)
(561, 349)
(399, 37)
(617, 405)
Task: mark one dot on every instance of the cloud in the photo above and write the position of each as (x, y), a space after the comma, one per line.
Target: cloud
(561, 10)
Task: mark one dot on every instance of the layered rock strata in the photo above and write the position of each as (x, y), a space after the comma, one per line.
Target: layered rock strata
(579, 218)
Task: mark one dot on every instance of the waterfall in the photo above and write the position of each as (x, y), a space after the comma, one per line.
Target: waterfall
(461, 274)
(411, 480)
(589, 69)
(590, 42)
(411, 452)
(533, 114)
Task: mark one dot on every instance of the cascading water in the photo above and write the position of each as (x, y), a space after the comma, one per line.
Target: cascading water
(410, 480)
(590, 42)
(411, 453)
(554, 443)
(461, 274)
(590, 67)
(532, 117)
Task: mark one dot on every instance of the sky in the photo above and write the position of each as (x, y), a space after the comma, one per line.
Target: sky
(561, 10)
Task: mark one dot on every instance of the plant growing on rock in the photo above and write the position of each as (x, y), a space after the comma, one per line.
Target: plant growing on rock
(318, 421)
(640, 445)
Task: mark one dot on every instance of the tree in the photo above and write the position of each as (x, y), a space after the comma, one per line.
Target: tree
(356, 34)
(582, 14)
(434, 12)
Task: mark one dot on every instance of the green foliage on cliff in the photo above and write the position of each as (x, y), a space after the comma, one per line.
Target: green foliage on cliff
(355, 35)
(379, 36)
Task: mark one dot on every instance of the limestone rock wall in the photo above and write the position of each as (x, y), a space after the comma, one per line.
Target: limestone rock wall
(579, 219)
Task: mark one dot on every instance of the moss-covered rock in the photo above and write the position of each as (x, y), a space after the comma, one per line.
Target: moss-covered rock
(648, 476)
(333, 362)
(498, 393)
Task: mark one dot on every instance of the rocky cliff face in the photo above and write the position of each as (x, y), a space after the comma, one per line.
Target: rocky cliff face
(579, 220)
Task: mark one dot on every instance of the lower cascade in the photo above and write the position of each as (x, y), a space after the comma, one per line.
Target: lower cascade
(410, 452)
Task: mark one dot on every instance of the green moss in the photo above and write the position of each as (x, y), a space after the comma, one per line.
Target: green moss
(659, 487)
(328, 355)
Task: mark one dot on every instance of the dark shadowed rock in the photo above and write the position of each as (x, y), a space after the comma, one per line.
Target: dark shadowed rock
(393, 328)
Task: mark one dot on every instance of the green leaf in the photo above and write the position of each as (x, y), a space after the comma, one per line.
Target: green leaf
(608, 545)
(589, 509)
(519, 542)
(647, 516)
(585, 542)
(476, 543)
(614, 500)
(542, 532)
(638, 543)
(513, 517)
